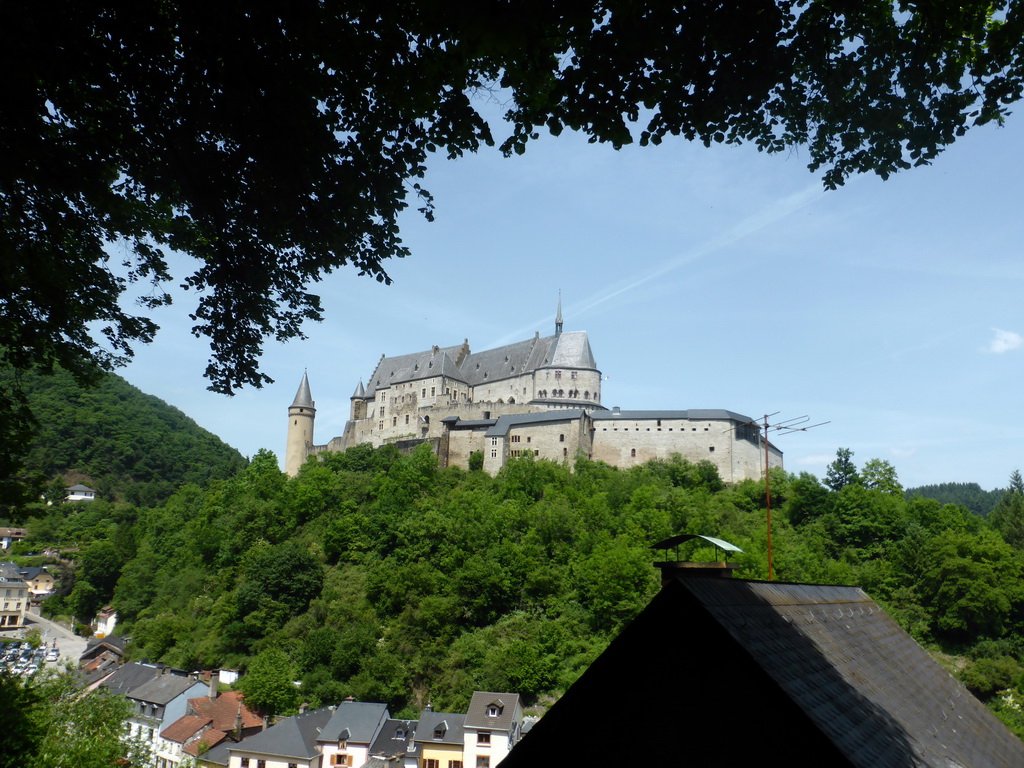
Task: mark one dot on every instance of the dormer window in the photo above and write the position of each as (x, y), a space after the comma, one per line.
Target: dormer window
(494, 710)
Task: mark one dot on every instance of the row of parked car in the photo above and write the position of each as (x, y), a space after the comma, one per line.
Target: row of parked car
(20, 658)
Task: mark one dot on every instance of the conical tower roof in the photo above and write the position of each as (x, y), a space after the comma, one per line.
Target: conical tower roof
(303, 398)
(360, 391)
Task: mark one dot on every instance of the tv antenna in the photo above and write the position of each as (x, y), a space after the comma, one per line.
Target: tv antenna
(797, 424)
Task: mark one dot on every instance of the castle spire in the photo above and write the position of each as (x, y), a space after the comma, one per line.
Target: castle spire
(558, 317)
(303, 398)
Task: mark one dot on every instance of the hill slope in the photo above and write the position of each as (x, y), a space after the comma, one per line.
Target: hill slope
(126, 443)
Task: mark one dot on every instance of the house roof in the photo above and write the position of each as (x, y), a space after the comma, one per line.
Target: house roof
(129, 676)
(223, 710)
(78, 487)
(162, 689)
(395, 738)
(451, 724)
(357, 721)
(292, 737)
(209, 738)
(184, 728)
(803, 674)
(477, 714)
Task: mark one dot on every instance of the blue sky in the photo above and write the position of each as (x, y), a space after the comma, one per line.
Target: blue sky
(706, 278)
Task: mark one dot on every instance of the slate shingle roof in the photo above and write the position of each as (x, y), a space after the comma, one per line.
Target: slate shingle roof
(476, 713)
(452, 723)
(791, 674)
(161, 689)
(292, 737)
(357, 721)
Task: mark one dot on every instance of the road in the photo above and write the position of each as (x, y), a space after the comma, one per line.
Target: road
(70, 645)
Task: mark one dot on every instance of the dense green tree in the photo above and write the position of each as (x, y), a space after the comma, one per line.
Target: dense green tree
(1007, 516)
(880, 475)
(47, 722)
(842, 472)
(268, 683)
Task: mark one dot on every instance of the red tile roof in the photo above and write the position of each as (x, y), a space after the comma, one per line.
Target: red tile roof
(211, 738)
(184, 728)
(223, 710)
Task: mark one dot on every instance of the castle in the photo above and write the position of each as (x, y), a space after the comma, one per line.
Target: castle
(541, 396)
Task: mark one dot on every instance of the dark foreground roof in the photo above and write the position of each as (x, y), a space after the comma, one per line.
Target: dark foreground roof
(790, 674)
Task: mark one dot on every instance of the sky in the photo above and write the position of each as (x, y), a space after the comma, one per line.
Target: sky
(706, 278)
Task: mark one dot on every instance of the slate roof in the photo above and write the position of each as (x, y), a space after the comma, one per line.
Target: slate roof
(303, 397)
(357, 721)
(292, 737)
(435, 361)
(563, 350)
(452, 723)
(162, 689)
(476, 712)
(792, 674)
(209, 739)
(694, 414)
(394, 740)
(504, 423)
(129, 676)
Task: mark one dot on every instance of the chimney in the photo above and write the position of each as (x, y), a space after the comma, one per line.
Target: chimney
(672, 568)
(238, 723)
(214, 683)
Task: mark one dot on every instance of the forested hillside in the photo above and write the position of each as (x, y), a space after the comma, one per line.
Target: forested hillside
(380, 575)
(969, 495)
(127, 444)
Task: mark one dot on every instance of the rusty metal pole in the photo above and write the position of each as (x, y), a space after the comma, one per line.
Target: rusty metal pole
(768, 501)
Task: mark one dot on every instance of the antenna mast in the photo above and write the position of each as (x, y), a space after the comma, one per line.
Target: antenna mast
(798, 424)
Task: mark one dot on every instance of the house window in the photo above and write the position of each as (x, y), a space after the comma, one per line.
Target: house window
(484, 738)
(293, 765)
(245, 762)
(261, 764)
(429, 762)
(341, 759)
(493, 710)
(454, 764)
(483, 762)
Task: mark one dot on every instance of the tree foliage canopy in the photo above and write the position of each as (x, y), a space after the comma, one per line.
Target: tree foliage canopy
(276, 143)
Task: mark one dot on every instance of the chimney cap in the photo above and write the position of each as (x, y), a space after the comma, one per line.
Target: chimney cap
(719, 569)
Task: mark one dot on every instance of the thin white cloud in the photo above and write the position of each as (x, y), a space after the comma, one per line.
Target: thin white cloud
(1004, 341)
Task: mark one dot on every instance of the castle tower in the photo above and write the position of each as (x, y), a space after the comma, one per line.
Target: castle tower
(558, 317)
(301, 414)
(358, 402)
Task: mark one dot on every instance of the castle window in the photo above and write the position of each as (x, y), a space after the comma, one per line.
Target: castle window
(572, 375)
(536, 452)
(527, 438)
(711, 449)
(632, 452)
(407, 418)
(558, 374)
(565, 452)
(561, 438)
(494, 441)
(515, 438)
(394, 421)
(381, 425)
(494, 454)
(659, 422)
(432, 390)
(586, 395)
(382, 410)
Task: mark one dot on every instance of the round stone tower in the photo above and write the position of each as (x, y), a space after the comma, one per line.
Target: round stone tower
(301, 414)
